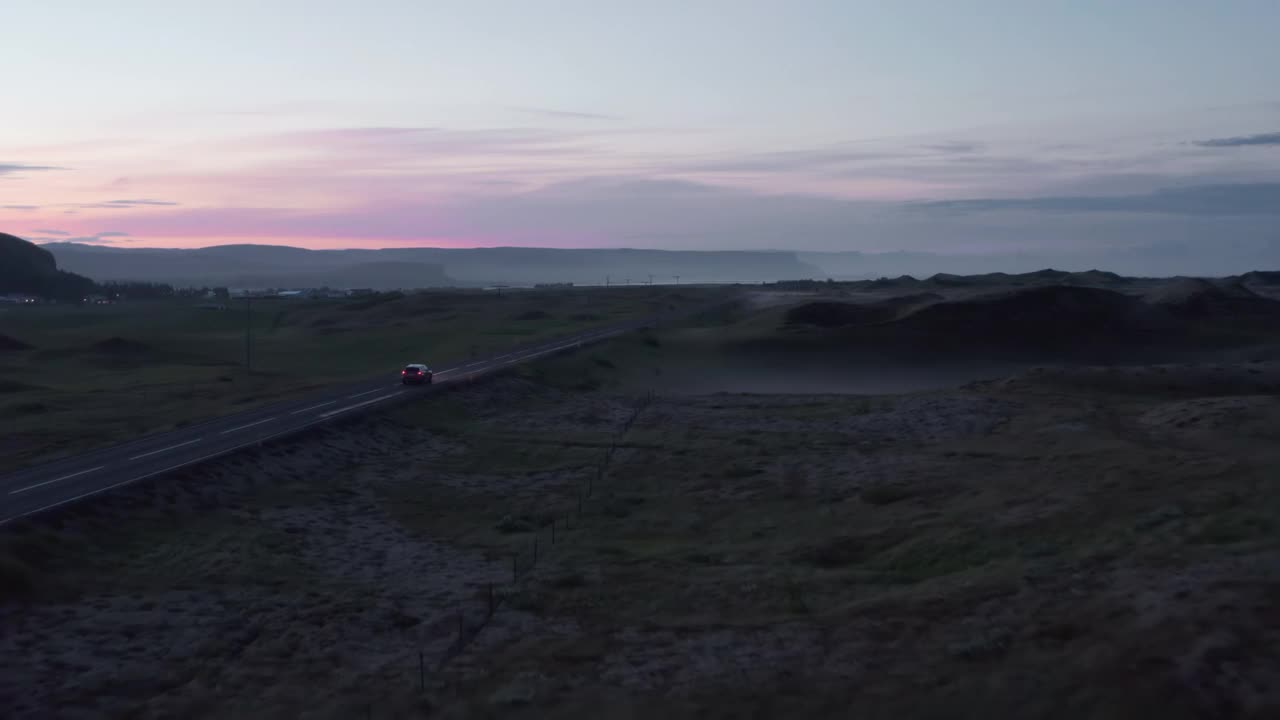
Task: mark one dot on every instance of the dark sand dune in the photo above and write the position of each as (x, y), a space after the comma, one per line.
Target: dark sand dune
(1261, 277)
(1229, 301)
(1054, 321)
(121, 346)
(8, 343)
(839, 314)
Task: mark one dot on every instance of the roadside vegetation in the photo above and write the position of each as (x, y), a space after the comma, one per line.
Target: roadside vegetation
(74, 377)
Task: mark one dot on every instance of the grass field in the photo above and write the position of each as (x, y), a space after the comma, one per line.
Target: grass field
(1078, 543)
(86, 376)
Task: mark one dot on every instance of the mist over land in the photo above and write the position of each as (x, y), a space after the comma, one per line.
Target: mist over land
(397, 268)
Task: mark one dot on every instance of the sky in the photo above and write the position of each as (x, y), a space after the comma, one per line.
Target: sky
(982, 126)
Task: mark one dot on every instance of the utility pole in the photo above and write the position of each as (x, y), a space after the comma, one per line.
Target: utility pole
(606, 281)
(650, 278)
(677, 279)
(248, 333)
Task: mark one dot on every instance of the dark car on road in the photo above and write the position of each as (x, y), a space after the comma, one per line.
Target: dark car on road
(416, 374)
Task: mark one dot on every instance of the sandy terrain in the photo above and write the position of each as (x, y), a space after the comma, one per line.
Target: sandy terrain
(1064, 543)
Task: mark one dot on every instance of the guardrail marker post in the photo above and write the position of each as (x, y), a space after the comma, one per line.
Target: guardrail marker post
(515, 567)
(422, 671)
(535, 549)
(491, 608)
(553, 531)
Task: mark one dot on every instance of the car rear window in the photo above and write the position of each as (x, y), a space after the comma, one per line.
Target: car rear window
(412, 369)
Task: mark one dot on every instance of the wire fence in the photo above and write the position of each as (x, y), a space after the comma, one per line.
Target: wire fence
(451, 633)
(468, 625)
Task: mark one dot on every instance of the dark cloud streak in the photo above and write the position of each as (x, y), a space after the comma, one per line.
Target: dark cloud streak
(140, 202)
(1241, 141)
(952, 148)
(1207, 200)
(545, 112)
(13, 168)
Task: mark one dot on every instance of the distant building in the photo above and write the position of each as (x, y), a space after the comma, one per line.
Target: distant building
(359, 292)
(18, 299)
(98, 300)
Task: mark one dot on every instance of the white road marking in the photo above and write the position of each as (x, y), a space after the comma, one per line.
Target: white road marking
(359, 404)
(242, 427)
(198, 460)
(313, 407)
(91, 493)
(171, 447)
(227, 451)
(361, 394)
(50, 482)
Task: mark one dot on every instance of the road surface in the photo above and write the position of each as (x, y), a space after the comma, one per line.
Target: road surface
(69, 480)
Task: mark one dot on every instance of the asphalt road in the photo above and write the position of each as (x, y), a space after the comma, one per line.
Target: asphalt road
(74, 479)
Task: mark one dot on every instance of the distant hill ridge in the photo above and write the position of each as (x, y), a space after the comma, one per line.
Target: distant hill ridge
(392, 268)
(399, 268)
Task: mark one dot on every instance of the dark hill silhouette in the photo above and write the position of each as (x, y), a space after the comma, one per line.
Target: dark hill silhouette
(841, 314)
(29, 269)
(121, 346)
(1047, 276)
(1261, 277)
(1049, 322)
(1227, 301)
(11, 344)
(1052, 317)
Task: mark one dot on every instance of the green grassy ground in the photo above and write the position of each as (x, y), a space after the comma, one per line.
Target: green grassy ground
(1011, 550)
(98, 374)
(1021, 572)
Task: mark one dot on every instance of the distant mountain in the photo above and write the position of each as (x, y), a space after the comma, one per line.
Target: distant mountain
(252, 266)
(28, 269)
(1150, 262)
(276, 266)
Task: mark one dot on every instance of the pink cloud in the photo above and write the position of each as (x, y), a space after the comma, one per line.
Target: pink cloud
(369, 186)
